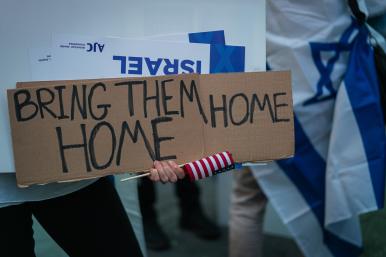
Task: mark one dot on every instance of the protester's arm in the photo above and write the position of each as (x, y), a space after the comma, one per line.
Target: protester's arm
(166, 171)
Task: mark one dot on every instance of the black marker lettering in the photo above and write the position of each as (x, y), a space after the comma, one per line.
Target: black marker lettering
(166, 98)
(214, 109)
(105, 107)
(63, 147)
(246, 115)
(193, 90)
(91, 144)
(148, 98)
(266, 101)
(279, 105)
(59, 89)
(134, 138)
(130, 99)
(158, 139)
(82, 107)
(21, 105)
(43, 104)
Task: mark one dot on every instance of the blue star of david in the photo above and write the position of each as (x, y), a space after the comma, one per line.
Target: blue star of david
(224, 62)
(325, 71)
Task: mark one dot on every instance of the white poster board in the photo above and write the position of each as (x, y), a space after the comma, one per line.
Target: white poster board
(30, 24)
(75, 58)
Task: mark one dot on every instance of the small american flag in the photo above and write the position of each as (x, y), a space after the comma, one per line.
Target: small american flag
(209, 166)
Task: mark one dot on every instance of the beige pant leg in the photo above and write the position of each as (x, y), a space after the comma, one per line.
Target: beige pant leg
(246, 216)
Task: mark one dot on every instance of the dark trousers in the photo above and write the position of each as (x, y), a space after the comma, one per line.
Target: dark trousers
(187, 192)
(89, 222)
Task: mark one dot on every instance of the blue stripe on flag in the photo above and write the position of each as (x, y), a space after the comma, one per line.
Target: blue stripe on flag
(307, 171)
(362, 88)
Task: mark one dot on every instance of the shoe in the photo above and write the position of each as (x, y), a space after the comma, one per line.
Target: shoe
(155, 237)
(200, 225)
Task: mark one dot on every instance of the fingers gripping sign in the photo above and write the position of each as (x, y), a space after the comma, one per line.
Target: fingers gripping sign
(169, 171)
(166, 171)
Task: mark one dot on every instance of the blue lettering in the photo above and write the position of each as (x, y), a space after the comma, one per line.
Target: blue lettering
(136, 63)
(171, 68)
(153, 66)
(90, 47)
(100, 46)
(95, 46)
(122, 59)
(187, 65)
(198, 67)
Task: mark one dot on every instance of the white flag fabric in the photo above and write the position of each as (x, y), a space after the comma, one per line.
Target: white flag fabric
(338, 169)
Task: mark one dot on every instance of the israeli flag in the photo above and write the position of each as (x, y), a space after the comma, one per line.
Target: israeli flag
(338, 171)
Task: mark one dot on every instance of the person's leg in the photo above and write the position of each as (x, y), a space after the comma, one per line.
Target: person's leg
(16, 234)
(128, 192)
(247, 212)
(192, 214)
(188, 195)
(155, 237)
(147, 199)
(89, 222)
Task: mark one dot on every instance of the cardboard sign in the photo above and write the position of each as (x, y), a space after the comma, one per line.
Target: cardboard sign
(70, 130)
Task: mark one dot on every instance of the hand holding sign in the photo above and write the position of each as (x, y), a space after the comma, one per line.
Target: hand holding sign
(169, 171)
(166, 171)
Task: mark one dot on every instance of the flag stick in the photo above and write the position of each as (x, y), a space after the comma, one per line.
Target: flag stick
(136, 176)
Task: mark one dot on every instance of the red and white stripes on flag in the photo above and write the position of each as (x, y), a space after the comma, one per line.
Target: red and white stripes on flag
(209, 166)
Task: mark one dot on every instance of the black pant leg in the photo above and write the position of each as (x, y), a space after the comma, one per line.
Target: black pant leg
(89, 222)
(147, 199)
(16, 234)
(188, 195)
